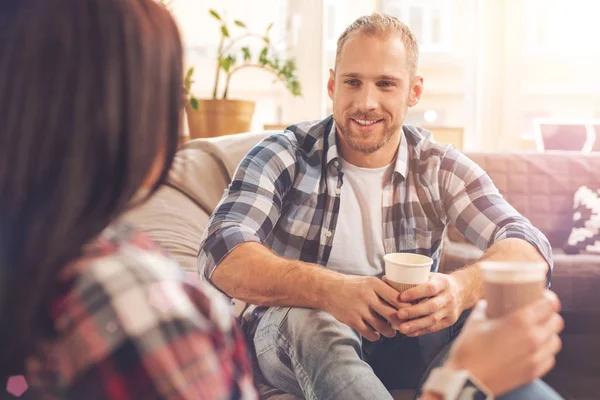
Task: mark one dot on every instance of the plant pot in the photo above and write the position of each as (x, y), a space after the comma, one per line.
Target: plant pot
(219, 117)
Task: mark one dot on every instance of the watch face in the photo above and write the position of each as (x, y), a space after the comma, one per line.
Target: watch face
(471, 392)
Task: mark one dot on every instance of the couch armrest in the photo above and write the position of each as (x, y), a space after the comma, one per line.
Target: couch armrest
(173, 220)
(457, 254)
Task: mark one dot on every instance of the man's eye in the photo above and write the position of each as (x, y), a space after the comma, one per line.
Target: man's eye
(352, 82)
(385, 84)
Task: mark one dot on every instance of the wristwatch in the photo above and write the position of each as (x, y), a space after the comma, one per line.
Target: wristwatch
(456, 385)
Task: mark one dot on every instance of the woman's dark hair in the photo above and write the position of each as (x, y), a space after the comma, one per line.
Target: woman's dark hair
(90, 102)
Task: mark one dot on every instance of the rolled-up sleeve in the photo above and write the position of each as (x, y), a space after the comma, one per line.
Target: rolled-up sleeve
(474, 204)
(252, 203)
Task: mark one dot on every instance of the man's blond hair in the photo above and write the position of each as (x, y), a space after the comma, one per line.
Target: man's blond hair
(383, 25)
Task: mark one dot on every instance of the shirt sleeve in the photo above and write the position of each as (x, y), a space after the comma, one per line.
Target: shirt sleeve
(479, 211)
(124, 336)
(252, 204)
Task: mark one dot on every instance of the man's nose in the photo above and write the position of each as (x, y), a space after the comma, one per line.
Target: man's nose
(368, 99)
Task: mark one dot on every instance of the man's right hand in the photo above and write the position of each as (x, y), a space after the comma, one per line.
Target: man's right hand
(366, 304)
(511, 351)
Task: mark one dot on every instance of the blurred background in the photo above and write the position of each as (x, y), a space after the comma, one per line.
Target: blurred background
(497, 72)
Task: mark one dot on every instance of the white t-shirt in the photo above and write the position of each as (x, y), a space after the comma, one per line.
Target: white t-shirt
(358, 247)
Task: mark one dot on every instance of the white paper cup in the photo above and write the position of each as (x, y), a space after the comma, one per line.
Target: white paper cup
(406, 270)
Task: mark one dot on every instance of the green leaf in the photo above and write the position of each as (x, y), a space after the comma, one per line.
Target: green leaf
(188, 81)
(295, 88)
(267, 40)
(288, 68)
(215, 14)
(285, 71)
(247, 55)
(240, 23)
(269, 28)
(224, 31)
(189, 73)
(262, 58)
(227, 63)
(194, 103)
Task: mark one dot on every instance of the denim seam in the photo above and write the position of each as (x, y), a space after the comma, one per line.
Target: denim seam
(265, 332)
(290, 353)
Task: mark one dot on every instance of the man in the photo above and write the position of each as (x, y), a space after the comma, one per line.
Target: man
(303, 228)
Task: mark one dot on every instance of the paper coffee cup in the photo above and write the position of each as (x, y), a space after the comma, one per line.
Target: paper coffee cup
(406, 270)
(509, 285)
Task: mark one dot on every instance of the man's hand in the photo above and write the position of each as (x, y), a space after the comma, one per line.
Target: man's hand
(366, 304)
(511, 351)
(440, 307)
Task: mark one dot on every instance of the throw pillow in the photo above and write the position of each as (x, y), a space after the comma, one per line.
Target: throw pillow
(585, 235)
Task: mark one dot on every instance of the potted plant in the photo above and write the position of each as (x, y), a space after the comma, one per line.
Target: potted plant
(221, 115)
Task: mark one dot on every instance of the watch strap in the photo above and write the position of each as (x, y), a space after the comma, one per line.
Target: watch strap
(455, 385)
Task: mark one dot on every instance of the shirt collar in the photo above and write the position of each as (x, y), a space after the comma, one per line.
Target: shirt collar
(332, 152)
(402, 157)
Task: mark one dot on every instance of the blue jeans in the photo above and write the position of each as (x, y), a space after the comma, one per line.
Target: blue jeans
(308, 353)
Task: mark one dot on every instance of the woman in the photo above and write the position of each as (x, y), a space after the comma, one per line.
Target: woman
(90, 100)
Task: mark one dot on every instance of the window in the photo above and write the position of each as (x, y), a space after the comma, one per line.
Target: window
(561, 26)
(491, 67)
(430, 20)
(446, 43)
(552, 59)
(335, 23)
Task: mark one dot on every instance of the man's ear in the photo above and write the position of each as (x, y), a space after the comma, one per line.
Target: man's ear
(416, 90)
(331, 83)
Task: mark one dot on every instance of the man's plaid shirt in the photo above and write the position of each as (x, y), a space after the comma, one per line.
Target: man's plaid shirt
(285, 194)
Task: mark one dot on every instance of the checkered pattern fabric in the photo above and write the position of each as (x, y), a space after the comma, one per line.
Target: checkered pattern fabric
(130, 327)
(285, 194)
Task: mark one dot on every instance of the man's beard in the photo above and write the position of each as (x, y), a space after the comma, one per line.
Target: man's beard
(367, 148)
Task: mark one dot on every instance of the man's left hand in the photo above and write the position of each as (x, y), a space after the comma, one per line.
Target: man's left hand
(440, 306)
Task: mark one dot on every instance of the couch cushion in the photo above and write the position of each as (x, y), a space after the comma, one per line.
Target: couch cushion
(200, 176)
(178, 213)
(576, 279)
(541, 185)
(203, 168)
(456, 255)
(174, 221)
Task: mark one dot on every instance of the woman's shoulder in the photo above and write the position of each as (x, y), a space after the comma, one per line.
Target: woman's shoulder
(126, 307)
(123, 267)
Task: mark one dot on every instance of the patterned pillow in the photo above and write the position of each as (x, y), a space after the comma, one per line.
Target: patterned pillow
(585, 235)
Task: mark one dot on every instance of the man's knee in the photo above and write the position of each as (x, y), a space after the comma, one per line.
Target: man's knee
(304, 329)
(291, 342)
(304, 332)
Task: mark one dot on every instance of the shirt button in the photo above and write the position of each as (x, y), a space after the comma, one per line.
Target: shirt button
(338, 191)
(336, 163)
(328, 234)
